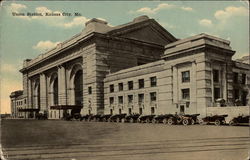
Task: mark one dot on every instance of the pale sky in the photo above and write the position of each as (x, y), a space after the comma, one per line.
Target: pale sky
(23, 37)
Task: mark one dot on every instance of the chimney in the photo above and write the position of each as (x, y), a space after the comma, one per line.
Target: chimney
(96, 25)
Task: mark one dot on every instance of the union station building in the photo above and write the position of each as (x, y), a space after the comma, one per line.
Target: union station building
(137, 67)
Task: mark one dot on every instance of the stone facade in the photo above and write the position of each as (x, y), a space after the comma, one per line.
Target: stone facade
(17, 102)
(193, 73)
(168, 75)
(65, 75)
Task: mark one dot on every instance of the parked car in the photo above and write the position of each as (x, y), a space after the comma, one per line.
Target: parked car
(215, 119)
(132, 118)
(105, 117)
(190, 119)
(117, 117)
(41, 116)
(95, 118)
(86, 117)
(146, 118)
(162, 118)
(240, 120)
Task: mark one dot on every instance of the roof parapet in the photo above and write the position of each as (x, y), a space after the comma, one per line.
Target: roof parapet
(96, 25)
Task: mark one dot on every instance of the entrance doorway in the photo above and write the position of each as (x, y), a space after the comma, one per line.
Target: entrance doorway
(182, 109)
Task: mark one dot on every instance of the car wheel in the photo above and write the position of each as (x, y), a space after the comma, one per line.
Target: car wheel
(147, 120)
(170, 121)
(104, 120)
(165, 121)
(123, 120)
(117, 120)
(154, 121)
(185, 122)
(138, 120)
(232, 123)
(192, 122)
(217, 122)
(131, 120)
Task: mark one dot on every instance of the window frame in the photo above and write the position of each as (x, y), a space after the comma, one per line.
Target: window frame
(152, 82)
(141, 83)
(184, 93)
(130, 85)
(111, 88)
(184, 78)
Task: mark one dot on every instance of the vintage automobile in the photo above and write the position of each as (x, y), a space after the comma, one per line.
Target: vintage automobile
(215, 119)
(185, 119)
(105, 117)
(86, 117)
(163, 118)
(95, 118)
(132, 118)
(240, 120)
(146, 118)
(190, 119)
(41, 116)
(117, 117)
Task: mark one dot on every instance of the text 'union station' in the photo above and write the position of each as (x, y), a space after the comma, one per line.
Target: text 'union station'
(137, 67)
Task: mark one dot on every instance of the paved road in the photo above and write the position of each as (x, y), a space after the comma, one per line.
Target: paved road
(99, 141)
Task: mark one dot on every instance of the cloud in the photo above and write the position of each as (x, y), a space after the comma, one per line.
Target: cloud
(15, 7)
(76, 22)
(230, 12)
(206, 22)
(45, 45)
(187, 8)
(148, 10)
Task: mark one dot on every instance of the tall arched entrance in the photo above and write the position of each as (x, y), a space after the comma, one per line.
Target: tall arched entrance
(54, 89)
(78, 88)
(76, 83)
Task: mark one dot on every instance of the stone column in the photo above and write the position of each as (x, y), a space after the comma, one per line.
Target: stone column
(224, 82)
(30, 94)
(62, 85)
(193, 92)
(43, 91)
(212, 83)
(175, 85)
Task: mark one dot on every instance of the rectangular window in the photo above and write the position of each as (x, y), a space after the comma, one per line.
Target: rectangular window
(236, 94)
(185, 93)
(111, 88)
(25, 101)
(216, 75)
(153, 96)
(216, 93)
(111, 100)
(243, 79)
(140, 98)
(235, 77)
(130, 85)
(120, 86)
(130, 98)
(141, 83)
(120, 99)
(153, 81)
(90, 90)
(152, 110)
(185, 76)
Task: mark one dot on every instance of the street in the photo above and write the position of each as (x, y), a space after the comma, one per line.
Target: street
(75, 140)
